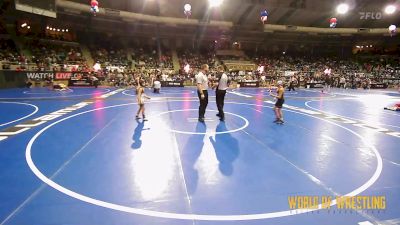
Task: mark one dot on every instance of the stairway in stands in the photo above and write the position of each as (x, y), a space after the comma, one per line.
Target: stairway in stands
(87, 55)
(129, 53)
(175, 61)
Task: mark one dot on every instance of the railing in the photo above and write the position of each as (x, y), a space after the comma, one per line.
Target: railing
(16, 65)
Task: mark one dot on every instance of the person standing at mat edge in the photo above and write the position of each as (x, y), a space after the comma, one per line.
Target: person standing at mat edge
(279, 103)
(202, 86)
(220, 91)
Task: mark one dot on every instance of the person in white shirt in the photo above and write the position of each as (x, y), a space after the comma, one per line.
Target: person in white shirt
(220, 92)
(157, 86)
(95, 81)
(342, 82)
(202, 86)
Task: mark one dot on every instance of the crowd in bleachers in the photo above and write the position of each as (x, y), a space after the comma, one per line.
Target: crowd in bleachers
(333, 71)
(151, 63)
(151, 58)
(110, 56)
(195, 60)
(9, 54)
(277, 65)
(46, 55)
(122, 58)
(8, 51)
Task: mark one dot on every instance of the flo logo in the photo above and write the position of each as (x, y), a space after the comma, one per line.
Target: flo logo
(370, 15)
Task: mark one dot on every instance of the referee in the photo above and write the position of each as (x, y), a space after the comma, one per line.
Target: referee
(202, 86)
(220, 92)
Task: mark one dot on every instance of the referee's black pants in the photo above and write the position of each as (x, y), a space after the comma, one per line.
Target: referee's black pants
(220, 95)
(203, 103)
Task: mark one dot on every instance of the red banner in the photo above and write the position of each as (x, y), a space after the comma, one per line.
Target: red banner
(63, 76)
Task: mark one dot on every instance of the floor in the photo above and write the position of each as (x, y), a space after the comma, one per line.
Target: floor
(80, 157)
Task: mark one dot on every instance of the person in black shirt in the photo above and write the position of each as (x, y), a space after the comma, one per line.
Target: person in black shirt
(221, 86)
(292, 83)
(280, 99)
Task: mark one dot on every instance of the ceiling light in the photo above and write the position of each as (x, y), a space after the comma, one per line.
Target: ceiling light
(215, 3)
(342, 8)
(390, 9)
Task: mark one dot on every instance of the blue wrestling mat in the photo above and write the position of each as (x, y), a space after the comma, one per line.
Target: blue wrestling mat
(80, 157)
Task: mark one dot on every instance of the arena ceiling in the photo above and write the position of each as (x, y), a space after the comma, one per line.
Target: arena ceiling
(246, 13)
